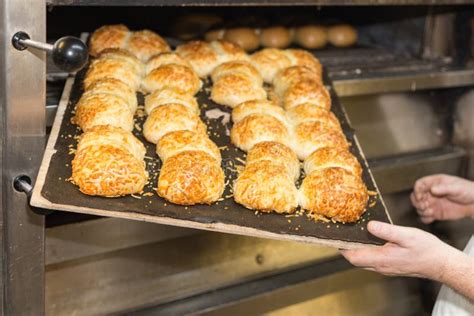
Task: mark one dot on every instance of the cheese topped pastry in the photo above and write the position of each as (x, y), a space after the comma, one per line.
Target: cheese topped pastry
(291, 75)
(164, 59)
(145, 44)
(108, 36)
(259, 107)
(112, 68)
(269, 61)
(307, 91)
(114, 87)
(330, 157)
(202, 57)
(170, 95)
(233, 89)
(172, 76)
(237, 67)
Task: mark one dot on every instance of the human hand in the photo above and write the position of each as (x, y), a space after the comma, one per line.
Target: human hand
(443, 197)
(408, 252)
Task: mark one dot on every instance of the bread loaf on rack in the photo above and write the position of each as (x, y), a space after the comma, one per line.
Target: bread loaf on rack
(109, 162)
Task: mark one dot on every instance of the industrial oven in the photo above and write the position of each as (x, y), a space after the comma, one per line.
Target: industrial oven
(406, 86)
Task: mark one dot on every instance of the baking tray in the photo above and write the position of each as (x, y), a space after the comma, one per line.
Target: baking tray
(53, 190)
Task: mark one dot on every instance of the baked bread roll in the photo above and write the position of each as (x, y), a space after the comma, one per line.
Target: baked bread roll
(342, 35)
(114, 87)
(334, 193)
(106, 135)
(103, 109)
(331, 157)
(245, 37)
(257, 128)
(307, 112)
(174, 76)
(202, 57)
(287, 77)
(269, 61)
(169, 118)
(228, 51)
(109, 162)
(307, 91)
(124, 55)
(276, 37)
(214, 35)
(311, 36)
(173, 143)
(112, 68)
(165, 59)
(145, 43)
(237, 67)
(233, 89)
(311, 136)
(278, 154)
(191, 177)
(170, 95)
(108, 36)
(300, 57)
(259, 107)
(265, 186)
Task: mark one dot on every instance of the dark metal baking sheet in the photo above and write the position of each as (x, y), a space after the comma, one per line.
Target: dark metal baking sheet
(54, 191)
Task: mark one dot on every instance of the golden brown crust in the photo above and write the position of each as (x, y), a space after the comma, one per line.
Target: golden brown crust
(200, 55)
(145, 44)
(168, 118)
(114, 87)
(259, 107)
(228, 51)
(276, 37)
(300, 57)
(107, 135)
(342, 35)
(307, 112)
(245, 37)
(330, 157)
(191, 177)
(108, 171)
(257, 128)
(174, 76)
(112, 68)
(311, 36)
(176, 142)
(233, 89)
(265, 186)
(170, 95)
(108, 36)
(334, 193)
(278, 154)
(307, 91)
(237, 67)
(310, 136)
(103, 109)
(124, 55)
(269, 61)
(165, 59)
(291, 75)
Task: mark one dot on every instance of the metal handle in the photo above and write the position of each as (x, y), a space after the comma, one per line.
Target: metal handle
(69, 53)
(23, 184)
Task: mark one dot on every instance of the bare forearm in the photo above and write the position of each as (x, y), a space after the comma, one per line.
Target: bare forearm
(458, 273)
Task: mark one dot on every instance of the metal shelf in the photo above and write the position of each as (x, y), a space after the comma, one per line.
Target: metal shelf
(251, 2)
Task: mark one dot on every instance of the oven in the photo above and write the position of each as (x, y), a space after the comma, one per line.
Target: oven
(406, 87)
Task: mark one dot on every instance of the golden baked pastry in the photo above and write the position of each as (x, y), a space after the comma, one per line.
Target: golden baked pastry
(214, 35)
(245, 37)
(168, 118)
(308, 112)
(173, 143)
(170, 95)
(334, 193)
(125, 55)
(237, 67)
(259, 107)
(108, 171)
(269, 61)
(106, 135)
(108, 36)
(307, 91)
(228, 51)
(165, 59)
(300, 57)
(310, 136)
(114, 87)
(202, 57)
(174, 76)
(233, 89)
(257, 128)
(342, 35)
(330, 157)
(191, 177)
(291, 75)
(276, 37)
(112, 68)
(103, 109)
(145, 44)
(311, 36)
(278, 154)
(265, 186)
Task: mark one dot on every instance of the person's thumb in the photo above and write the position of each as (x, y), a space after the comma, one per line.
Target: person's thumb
(389, 232)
